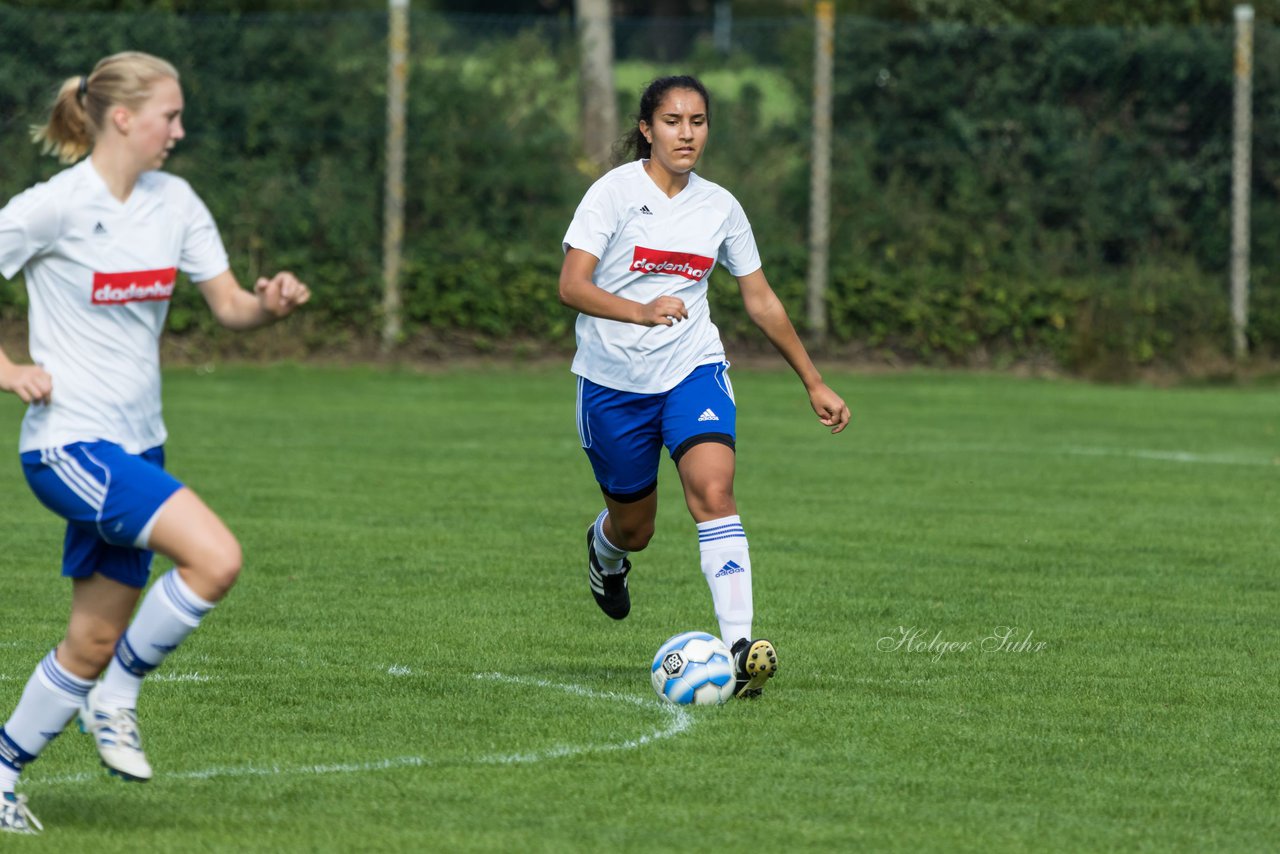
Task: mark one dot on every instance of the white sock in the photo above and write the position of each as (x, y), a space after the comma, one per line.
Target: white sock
(726, 563)
(168, 614)
(609, 555)
(51, 698)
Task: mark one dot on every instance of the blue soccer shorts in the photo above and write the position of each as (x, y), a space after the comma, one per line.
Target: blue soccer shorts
(110, 499)
(623, 432)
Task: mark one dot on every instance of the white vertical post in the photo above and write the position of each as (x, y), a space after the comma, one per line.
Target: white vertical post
(722, 26)
(1242, 134)
(599, 100)
(393, 199)
(820, 168)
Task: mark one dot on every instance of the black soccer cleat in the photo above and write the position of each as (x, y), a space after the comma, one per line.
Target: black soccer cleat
(754, 663)
(610, 589)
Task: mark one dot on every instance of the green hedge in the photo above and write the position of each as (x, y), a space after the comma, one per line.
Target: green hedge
(998, 195)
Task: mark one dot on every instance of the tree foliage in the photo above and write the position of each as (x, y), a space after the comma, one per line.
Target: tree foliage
(999, 192)
(1128, 13)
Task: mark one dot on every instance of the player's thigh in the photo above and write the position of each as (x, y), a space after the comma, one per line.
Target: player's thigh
(190, 534)
(706, 474)
(699, 426)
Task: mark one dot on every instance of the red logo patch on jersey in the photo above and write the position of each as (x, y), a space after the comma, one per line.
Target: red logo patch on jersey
(658, 261)
(139, 286)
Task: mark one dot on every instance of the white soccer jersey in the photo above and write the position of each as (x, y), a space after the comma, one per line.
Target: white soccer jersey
(99, 276)
(650, 246)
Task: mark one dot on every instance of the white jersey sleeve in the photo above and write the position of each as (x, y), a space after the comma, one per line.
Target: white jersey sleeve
(595, 222)
(29, 224)
(739, 253)
(203, 255)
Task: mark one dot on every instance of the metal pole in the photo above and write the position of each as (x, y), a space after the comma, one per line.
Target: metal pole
(393, 200)
(1240, 180)
(820, 171)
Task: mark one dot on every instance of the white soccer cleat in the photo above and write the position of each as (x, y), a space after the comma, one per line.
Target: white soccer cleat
(117, 738)
(15, 817)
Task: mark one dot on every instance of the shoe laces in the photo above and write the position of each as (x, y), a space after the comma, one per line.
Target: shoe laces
(15, 816)
(121, 725)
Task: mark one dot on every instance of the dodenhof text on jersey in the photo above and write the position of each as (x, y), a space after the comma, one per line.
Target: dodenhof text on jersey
(138, 286)
(686, 264)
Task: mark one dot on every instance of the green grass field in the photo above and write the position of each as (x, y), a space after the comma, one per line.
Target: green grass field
(412, 660)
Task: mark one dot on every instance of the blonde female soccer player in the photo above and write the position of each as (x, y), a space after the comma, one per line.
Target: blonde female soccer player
(100, 246)
(651, 368)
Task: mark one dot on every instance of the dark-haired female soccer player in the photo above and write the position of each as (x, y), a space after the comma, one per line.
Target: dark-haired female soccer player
(651, 368)
(100, 245)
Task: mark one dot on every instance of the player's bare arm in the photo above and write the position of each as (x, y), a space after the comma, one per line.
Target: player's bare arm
(767, 312)
(271, 299)
(579, 292)
(31, 383)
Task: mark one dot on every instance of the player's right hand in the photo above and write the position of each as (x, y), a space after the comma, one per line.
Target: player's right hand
(664, 311)
(832, 411)
(31, 383)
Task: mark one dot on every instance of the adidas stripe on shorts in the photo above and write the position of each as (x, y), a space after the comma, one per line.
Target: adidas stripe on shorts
(623, 432)
(109, 498)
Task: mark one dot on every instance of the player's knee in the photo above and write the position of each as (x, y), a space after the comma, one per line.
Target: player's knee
(228, 567)
(89, 650)
(714, 502)
(635, 538)
(220, 568)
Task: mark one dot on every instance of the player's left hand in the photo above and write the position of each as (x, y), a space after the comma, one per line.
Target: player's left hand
(831, 410)
(281, 294)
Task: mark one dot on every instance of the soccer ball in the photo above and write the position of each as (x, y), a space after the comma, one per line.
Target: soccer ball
(693, 667)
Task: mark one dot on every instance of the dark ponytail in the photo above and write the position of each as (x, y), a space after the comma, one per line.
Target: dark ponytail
(633, 145)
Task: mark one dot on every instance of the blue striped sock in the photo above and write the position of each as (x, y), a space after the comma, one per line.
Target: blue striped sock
(726, 564)
(52, 697)
(169, 613)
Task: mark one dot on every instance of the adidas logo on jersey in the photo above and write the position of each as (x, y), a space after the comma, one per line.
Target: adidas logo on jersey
(644, 209)
(729, 569)
(99, 229)
(708, 415)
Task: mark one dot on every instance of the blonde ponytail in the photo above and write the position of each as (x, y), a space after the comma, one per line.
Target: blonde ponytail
(82, 103)
(66, 135)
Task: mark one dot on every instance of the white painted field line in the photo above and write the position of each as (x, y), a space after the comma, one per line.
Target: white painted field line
(1220, 459)
(679, 721)
(1172, 456)
(197, 676)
